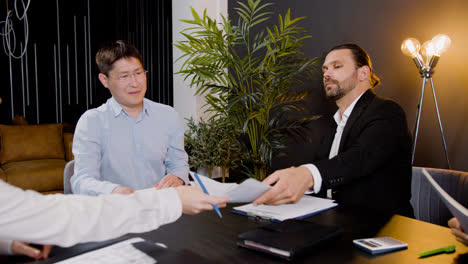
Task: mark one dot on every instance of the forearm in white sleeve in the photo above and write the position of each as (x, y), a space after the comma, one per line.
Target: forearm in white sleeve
(65, 220)
(5, 247)
(316, 175)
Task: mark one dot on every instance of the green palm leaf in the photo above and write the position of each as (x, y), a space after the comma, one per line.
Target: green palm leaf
(256, 91)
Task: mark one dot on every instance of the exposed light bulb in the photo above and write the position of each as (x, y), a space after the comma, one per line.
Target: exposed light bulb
(428, 50)
(410, 47)
(441, 43)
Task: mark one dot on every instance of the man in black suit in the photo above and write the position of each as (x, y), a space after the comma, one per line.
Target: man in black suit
(366, 158)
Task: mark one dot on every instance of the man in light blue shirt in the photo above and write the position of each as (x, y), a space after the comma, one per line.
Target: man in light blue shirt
(130, 142)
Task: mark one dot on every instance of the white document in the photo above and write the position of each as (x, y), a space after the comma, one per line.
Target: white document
(307, 206)
(245, 192)
(457, 210)
(120, 253)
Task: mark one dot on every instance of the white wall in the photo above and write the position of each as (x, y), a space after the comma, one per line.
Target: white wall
(185, 101)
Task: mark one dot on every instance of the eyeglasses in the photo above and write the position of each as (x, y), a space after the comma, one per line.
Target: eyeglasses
(126, 77)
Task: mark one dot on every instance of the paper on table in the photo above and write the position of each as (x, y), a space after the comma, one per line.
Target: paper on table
(457, 210)
(245, 192)
(119, 253)
(308, 205)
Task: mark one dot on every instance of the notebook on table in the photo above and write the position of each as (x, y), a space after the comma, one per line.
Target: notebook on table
(289, 238)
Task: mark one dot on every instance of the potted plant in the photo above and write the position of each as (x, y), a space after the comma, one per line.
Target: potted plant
(212, 144)
(251, 79)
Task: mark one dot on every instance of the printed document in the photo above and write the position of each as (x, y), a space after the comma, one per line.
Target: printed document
(245, 192)
(120, 253)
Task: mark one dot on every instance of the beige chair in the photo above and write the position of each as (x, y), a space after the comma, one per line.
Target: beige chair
(67, 173)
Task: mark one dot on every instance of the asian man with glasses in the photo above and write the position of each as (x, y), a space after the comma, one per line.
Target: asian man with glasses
(130, 142)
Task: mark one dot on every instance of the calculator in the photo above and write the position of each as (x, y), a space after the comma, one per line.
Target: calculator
(379, 245)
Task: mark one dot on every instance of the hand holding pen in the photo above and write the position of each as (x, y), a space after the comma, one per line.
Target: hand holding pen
(215, 207)
(195, 201)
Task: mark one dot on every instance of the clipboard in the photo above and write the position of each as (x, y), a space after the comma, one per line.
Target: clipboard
(306, 207)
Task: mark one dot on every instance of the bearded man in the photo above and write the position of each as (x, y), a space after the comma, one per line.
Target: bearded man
(365, 160)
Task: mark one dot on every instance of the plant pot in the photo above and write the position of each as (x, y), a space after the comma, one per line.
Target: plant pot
(216, 172)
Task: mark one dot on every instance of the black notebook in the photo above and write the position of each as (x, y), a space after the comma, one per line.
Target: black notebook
(289, 238)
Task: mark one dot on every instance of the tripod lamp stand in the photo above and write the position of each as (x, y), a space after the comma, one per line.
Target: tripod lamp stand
(426, 63)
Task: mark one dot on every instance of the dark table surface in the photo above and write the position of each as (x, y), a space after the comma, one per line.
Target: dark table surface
(215, 238)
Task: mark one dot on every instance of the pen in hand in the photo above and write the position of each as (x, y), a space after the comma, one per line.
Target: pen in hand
(215, 207)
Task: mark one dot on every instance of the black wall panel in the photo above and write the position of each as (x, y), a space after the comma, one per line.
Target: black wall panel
(56, 79)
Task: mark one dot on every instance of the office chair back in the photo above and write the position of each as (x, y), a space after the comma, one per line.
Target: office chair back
(426, 202)
(67, 173)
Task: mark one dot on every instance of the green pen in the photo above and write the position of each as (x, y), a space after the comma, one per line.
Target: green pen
(447, 249)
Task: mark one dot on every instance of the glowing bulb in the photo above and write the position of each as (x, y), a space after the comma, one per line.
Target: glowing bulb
(428, 50)
(441, 43)
(410, 47)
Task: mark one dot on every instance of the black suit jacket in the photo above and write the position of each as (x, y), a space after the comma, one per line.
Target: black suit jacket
(373, 166)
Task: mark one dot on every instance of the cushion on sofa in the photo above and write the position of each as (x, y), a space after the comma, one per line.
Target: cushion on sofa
(31, 142)
(39, 175)
(68, 143)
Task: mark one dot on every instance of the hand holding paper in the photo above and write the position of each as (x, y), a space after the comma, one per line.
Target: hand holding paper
(457, 210)
(245, 192)
(457, 231)
(290, 185)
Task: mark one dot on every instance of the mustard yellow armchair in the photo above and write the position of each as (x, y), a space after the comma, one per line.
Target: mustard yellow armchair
(34, 156)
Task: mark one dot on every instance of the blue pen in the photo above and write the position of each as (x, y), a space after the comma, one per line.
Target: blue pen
(215, 207)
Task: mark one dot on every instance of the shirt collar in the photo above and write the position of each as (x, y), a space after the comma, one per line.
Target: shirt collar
(146, 108)
(343, 119)
(117, 108)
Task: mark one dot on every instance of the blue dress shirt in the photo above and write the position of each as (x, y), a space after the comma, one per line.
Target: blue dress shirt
(113, 149)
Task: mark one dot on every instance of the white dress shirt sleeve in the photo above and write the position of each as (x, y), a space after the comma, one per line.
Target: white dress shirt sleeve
(65, 220)
(5, 247)
(316, 175)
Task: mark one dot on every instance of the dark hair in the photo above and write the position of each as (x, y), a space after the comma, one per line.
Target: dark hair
(361, 58)
(114, 51)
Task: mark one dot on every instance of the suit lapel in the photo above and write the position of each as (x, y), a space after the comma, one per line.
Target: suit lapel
(360, 106)
(329, 138)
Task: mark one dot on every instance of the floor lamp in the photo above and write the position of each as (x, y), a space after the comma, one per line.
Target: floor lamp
(426, 63)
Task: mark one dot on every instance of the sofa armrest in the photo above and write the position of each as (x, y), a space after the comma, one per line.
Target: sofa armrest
(67, 143)
(3, 175)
